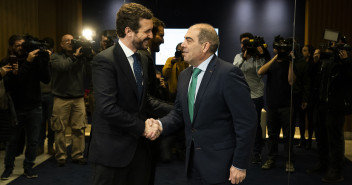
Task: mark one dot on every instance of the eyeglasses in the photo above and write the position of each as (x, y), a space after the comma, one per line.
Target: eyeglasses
(67, 41)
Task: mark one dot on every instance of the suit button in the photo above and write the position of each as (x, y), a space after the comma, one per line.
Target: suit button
(194, 130)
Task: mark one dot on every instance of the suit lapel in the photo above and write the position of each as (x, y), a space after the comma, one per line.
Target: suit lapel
(203, 86)
(144, 64)
(121, 59)
(184, 91)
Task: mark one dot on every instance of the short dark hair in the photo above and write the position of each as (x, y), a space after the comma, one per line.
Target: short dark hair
(179, 44)
(156, 24)
(129, 15)
(247, 34)
(15, 38)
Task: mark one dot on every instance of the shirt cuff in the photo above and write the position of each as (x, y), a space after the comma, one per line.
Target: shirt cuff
(239, 168)
(161, 125)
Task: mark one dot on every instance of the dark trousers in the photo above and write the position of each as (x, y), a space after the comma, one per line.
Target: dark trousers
(30, 121)
(47, 106)
(312, 116)
(5, 125)
(330, 137)
(300, 114)
(194, 177)
(276, 119)
(258, 143)
(135, 173)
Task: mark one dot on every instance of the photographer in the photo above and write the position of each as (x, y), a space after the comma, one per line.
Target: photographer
(23, 83)
(106, 41)
(70, 68)
(334, 103)
(278, 93)
(171, 70)
(250, 60)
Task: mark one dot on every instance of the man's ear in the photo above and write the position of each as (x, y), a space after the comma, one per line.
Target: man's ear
(205, 47)
(128, 31)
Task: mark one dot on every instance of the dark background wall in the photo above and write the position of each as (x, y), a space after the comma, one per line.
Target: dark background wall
(233, 17)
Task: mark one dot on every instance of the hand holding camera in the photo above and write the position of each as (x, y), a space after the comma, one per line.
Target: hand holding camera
(177, 58)
(343, 54)
(260, 50)
(5, 69)
(32, 55)
(78, 52)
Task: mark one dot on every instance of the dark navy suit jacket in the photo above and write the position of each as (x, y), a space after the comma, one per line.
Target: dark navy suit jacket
(224, 124)
(119, 117)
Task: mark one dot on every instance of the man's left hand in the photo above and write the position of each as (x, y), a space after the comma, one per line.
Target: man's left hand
(236, 175)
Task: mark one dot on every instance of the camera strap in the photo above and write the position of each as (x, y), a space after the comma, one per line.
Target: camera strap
(239, 66)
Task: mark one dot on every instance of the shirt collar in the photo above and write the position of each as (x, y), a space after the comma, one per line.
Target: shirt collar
(203, 66)
(128, 52)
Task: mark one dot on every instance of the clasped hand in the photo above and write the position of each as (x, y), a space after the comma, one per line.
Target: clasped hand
(152, 129)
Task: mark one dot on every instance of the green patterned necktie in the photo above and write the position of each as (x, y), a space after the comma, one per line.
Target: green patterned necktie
(192, 92)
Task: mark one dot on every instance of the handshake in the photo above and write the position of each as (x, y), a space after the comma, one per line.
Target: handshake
(152, 129)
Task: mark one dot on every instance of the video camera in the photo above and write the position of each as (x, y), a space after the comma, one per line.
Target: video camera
(333, 46)
(31, 43)
(251, 45)
(86, 45)
(284, 47)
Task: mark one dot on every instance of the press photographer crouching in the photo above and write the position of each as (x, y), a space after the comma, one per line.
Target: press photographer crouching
(70, 71)
(335, 101)
(27, 65)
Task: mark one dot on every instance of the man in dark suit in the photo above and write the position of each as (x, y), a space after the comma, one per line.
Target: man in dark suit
(119, 152)
(221, 125)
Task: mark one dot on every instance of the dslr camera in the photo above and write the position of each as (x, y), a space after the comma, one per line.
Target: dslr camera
(86, 45)
(251, 45)
(178, 54)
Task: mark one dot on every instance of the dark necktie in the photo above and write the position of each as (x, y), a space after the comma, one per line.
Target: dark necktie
(137, 68)
(192, 92)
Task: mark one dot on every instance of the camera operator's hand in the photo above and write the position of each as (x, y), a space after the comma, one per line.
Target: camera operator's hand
(5, 69)
(245, 54)
(292, 55)
(260, 50)
(78, 52)
(49, 52)
(32, 55)
(343, 54)
(175, 60)
(316, 55)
